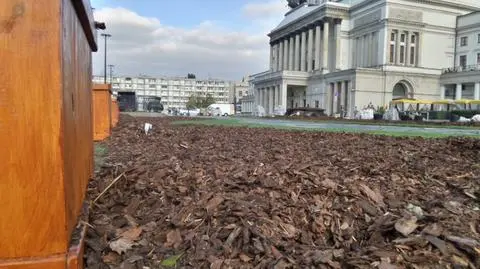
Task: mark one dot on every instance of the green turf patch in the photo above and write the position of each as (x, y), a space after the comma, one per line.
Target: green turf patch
(240, 123)
(100, 151)
(379, 123)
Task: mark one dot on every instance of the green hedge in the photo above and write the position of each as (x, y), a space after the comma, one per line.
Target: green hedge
(465, 113)
(439, 115)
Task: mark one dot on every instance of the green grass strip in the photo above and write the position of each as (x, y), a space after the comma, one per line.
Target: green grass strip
(239, 123)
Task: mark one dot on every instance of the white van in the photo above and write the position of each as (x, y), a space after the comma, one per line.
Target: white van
(221, 109)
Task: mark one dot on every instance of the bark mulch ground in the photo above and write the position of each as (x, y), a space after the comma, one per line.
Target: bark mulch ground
(213, 197)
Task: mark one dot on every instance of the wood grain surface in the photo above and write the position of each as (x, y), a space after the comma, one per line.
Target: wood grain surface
(101, 111)
(46, 131)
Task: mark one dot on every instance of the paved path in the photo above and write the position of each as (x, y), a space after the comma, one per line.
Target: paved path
(361, 127)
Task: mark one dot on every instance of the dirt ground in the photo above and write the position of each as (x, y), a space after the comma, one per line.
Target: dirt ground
(213, 197)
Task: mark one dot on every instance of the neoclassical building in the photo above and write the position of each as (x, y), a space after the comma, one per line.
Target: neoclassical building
(349, 53)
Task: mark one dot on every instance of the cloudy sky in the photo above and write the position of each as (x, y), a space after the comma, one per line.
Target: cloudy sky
(223, 39)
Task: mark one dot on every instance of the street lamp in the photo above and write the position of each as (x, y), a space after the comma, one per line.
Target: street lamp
(105, 60)
(111, 66)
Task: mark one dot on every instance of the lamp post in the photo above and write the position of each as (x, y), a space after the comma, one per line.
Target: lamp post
(105, 59)
(111, 66)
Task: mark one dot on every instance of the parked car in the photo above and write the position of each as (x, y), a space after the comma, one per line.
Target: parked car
(191, 113)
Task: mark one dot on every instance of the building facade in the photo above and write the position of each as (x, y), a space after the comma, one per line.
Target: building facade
(248, 100)
(174, 91)
(462, 79)
(341, 55)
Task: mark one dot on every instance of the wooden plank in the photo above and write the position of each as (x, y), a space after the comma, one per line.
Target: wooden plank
(77, 114)
(52, 262)
(32, 194)
(115, 113)
(101, 111)
(84, 13)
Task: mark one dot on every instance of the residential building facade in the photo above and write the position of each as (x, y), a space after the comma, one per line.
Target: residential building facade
(174, 91)
(248, 100)
(462, 79)
(340, 55)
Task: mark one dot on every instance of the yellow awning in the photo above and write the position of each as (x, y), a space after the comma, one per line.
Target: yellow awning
(411, 101)
(444, 102)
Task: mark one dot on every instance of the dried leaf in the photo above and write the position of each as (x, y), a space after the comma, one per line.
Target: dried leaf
(433, 229)
(329, 184)
(121, 245)
(406, 226)
(374, 195)
(132, 234)
(217, 264)
(111, 258)
(214, 203)
(174, 239)
(244, 258)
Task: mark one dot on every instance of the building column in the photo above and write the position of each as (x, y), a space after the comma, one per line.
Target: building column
(458, 93)
(338, 44)
(277, 57)
(317, 47)
(326, 25)
(335, 98)
(302, 51)
(418, 48)
(260, 97)
(310, 50)
(258, 100)
(297, 53)
(283, 95)
(369, 50)
(328, 99)
(290, 53)
(271, 56)
(274, 97)
(476, 91)
(285, 54)
(343, 91)
(442, 92)
(270, 100)
(280, 56)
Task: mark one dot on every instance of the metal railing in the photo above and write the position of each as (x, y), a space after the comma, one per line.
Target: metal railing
(464, 68)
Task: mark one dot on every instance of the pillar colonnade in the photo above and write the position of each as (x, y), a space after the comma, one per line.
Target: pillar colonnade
(307, 49)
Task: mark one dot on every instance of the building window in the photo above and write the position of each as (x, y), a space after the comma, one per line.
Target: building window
(412, 55)
(402, 54)
(393, 38)
(463, 61)
(478, 58)
(392, 53)
(317, 104)
(402, 48)
(463, 41)
(412, 40)
(478, 39)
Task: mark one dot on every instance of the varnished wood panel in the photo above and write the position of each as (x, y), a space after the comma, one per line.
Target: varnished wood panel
(46, 129)
(52, 262)
(115, 113)
(101, 111)
(32, 198)
(77, 114)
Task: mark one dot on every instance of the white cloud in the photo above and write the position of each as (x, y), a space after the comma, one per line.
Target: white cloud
(142, 45)
(264, 9)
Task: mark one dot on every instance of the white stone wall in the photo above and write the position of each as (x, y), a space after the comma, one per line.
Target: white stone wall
(363, 61)
(469, 26)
